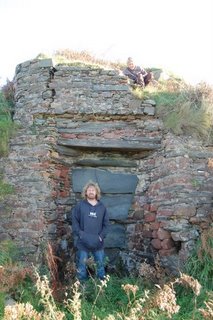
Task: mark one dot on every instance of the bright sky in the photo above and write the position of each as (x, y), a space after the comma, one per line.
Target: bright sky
(176, 35)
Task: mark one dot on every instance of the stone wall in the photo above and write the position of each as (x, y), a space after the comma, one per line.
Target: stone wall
(80, 123)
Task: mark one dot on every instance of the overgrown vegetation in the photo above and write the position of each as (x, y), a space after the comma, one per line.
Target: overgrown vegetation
(6, 130)
(200, 263)
(184, 109)
(140, 297)
(5, 188)
(6, 123)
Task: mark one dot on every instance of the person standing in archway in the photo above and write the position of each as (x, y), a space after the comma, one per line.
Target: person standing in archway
(90, 222)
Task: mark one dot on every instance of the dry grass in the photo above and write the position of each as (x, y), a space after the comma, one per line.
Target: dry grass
(207, 313)
(11, 275)
(206, 246)
(71, 56)
(138, 307)
(155, 274)
(21, 311)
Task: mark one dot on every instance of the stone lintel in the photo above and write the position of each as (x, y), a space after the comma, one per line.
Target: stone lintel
(110, 144)
(106, 162)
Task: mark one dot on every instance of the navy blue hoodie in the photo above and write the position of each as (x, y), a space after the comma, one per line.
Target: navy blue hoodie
(89, 224)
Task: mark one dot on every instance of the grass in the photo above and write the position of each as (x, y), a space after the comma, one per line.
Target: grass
(5, 189)
(116, 298)
(6, 124)
(185, 110)
(7, 130)
(199, 264)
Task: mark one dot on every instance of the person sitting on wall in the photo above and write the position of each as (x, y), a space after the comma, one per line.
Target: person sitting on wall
(138, 75)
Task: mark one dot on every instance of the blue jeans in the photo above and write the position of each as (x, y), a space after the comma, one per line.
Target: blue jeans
(82, 257)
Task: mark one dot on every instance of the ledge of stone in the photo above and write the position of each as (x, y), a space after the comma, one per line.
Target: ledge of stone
(135, 145)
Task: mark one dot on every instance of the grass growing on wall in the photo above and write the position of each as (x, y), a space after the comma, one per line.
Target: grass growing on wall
(6, 124)
(184, 109)
(5, 189)
(7, 129)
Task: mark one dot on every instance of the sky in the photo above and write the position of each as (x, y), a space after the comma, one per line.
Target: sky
(176, 35)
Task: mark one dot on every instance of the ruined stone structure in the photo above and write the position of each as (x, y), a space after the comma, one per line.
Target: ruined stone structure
(81, 123)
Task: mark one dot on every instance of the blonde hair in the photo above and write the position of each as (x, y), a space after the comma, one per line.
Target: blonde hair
(129, 60)
(93, 184)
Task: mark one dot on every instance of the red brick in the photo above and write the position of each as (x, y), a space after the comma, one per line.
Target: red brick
(147, 234)
(154, 225)
(163, 234)
(146, 207)
(149, 217)
(154, 234)
(153, 207)
(64, 194)
(168, 252)
(156, 243)
(165, 212)
(68, 135)
(64, 173)
(139, 227)
(54, 194)
(57, 173)
(167, 244)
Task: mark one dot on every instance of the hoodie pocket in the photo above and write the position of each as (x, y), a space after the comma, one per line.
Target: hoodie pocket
(91, 241)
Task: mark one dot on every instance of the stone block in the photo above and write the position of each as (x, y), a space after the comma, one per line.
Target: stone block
(149, 101)
(167, 244)
(110, 88)
(110, 144)
(116, 237)
(185, 211)
(117, 205)
(149, 110)
(154, 225)
(45, 63)
(149, 217)
(163, 234)
(156, 243)
(185, 235)
(109, 182)
(167, 252)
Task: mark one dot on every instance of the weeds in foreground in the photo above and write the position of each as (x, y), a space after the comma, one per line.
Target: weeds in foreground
(139, 305)
(199, 264)
(207, 312)
(73, 305)
(115, 298)
(47, 300)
